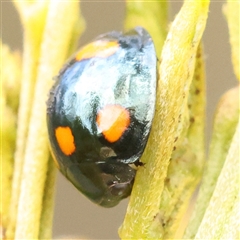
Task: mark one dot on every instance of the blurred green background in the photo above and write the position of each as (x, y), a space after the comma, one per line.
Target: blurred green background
(75, 216)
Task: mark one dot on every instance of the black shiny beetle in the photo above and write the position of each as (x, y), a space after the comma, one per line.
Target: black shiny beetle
(100, 111)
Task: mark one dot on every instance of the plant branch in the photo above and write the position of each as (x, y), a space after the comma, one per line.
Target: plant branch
(61, 18)
(224, 127)
(175, 75)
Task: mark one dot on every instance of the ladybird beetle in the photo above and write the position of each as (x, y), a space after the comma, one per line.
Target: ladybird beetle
(100, 112)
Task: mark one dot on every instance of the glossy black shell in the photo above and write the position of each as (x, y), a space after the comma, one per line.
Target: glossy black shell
(98, 168)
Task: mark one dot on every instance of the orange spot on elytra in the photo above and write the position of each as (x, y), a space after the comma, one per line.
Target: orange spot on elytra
(65, 140)
(98, 48)
(113, 120)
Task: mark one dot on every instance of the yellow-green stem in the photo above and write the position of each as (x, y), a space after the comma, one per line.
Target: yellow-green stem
(33, 19)
(187, 159)
(48, 202)
(151, 15)
(224, 127)
(10, 71)
(232, 12)
(175, 75)
(55, 46)
(231, 226)
(215, 223)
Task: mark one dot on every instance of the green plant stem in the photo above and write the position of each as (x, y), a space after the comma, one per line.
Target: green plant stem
(187, 159)
(33, 19)
(55, 46)
(48, 203)
(197, 105)
(232, 12)
(231, 227)
(224, 199)
(224, 127)
(151, 15)
(10, 70)
(175, 75)
(11, 77)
